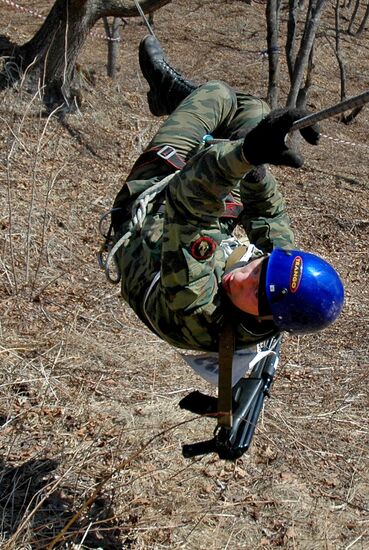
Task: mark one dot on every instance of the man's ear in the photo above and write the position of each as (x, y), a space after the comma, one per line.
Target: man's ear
(234, 266)
(235, 257)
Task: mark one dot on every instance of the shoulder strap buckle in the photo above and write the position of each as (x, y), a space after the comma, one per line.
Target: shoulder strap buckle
(166, 152)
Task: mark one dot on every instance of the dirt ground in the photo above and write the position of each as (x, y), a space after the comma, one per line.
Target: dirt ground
(89, 396)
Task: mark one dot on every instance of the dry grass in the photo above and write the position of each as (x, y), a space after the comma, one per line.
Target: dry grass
(83, 384)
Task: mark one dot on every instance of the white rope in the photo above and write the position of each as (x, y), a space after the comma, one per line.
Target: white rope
(139, 207)
(138, 215)
(21, 8)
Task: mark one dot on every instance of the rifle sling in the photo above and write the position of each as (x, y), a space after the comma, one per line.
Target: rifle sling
(226, 351)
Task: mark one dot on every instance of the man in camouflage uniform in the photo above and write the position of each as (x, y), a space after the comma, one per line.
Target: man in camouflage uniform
(174, 268)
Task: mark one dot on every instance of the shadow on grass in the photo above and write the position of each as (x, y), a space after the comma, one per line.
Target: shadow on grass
(22, 490)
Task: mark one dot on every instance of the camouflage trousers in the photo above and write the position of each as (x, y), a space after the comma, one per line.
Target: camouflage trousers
(214, 108)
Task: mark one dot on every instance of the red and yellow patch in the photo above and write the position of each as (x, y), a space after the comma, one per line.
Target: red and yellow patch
(203, 248)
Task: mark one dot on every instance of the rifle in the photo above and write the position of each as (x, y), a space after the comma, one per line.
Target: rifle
(247, 401)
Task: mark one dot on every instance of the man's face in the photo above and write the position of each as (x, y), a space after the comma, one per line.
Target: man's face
(242, 286)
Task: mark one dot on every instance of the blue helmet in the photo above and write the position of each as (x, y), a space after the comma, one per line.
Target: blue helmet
(304, 292)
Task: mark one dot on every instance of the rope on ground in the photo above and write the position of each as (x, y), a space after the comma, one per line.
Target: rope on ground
(344, 142)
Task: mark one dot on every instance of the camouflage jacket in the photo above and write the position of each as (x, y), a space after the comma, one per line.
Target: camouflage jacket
(172, 268)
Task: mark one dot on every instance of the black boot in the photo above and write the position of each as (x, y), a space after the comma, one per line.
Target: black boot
(167, 87)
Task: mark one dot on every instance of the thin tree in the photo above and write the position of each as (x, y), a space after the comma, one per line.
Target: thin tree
(299, 56)
(364, 21)
(345, 118)
(272, 16)
(338, 52)
(353, 17)
(305, 53)
(113, 35)
(290, 48)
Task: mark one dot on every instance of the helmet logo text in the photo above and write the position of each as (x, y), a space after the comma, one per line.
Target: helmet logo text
(296, 274)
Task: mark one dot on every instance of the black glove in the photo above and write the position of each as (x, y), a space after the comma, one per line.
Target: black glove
(256, 175)
(266, 142)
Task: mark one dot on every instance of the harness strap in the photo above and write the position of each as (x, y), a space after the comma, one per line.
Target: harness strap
(233, 207)
(226, 352)
(166, 153)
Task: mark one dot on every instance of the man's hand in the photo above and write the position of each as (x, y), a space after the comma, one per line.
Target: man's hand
(266, 143)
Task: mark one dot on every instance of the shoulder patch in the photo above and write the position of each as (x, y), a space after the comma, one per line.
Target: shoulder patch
(203, 248)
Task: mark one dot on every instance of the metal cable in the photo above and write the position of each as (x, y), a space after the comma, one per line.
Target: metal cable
(350, 103)
(145, 20)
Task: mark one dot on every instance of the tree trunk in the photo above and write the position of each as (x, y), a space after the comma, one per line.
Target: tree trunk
(51, 54)
(338, 53)
(272, 16)
(353, 16)
(363, 22)
(311, 24)
(293, 10)
(304, 91)
(113, 34)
